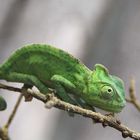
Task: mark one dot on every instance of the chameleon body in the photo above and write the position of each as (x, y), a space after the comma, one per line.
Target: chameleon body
(46, 67)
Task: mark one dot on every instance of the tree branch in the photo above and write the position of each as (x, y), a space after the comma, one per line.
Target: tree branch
(12, 115)
(51, 101)
(132, 93)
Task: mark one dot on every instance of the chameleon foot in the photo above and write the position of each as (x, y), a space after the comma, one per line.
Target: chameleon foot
(112, 114)
(28, 97)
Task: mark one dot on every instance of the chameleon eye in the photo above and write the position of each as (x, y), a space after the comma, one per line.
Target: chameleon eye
(107, 92)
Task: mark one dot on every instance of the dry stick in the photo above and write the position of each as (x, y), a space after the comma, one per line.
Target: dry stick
(133, 100)
(4, 130)
(11, 117)
(4, 134)
(51, 100)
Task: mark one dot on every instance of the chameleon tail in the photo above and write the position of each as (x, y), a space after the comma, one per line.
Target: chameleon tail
(3, 104)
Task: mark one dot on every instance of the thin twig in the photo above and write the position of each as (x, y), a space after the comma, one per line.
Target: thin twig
(132, 93)
(105, 120)
(4, 134)
(11, 117)
(4, 129)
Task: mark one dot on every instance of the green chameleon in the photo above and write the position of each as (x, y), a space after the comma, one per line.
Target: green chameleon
(47, 67)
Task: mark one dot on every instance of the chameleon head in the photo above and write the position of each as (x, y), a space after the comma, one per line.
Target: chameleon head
(106, 91)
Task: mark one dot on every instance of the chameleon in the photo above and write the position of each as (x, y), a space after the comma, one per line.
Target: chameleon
(47, 67)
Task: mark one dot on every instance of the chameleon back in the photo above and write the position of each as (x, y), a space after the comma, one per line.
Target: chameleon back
(43, 61)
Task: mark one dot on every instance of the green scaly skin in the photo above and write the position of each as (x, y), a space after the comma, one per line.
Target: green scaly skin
(3, 104)
(46, 67)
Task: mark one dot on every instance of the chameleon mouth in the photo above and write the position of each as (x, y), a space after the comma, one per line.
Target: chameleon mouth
(115, 109)
(111, 107)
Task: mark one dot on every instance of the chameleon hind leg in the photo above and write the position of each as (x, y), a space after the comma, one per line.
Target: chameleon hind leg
(29, 80)
(3, 103)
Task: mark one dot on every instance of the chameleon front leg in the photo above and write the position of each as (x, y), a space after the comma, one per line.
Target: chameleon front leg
(29, 80)
(3, 103)
(66, 83)
(61, 84)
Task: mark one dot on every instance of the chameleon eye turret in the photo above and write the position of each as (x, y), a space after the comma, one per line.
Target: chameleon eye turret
(107, 92)
(47, 67)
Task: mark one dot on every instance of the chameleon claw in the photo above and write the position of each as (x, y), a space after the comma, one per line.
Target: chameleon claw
(28, 97)
(111, 114)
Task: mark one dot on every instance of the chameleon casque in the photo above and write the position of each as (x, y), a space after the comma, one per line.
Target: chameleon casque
(46, 67)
